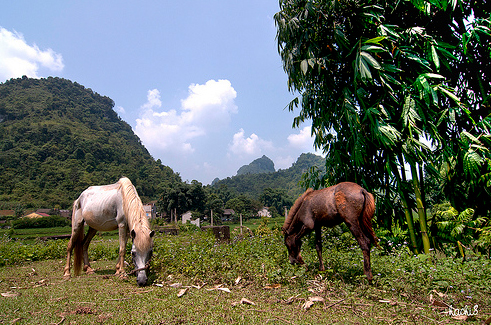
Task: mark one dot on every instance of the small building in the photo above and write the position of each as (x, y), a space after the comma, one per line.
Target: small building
(150, 210)
(264, 212)
(35, 215)
(45, 211)
(189, 217)
(66, 214)
(227, 214)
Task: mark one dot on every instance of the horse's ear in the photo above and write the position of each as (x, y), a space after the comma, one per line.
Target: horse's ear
(133, 234)
(152, 233)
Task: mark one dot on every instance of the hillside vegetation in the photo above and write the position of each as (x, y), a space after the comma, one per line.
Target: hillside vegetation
(256, 180)
(258, 166)
(58, 137)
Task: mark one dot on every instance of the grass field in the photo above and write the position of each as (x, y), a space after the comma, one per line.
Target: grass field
(195, 280)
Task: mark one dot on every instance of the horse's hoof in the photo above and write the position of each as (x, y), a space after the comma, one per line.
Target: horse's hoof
(123, 276)
(89, 270)
(66, 277)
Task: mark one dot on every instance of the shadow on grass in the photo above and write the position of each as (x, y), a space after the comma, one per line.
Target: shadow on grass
(105, 272)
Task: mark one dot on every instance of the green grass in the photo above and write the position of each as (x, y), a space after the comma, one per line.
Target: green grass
(401, 292)
(30, 235)
(407, 288)
(33, 233)
(252, 224)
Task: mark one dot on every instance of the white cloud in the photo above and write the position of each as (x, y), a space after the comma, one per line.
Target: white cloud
(153, 100)
(211, 104)
(17, 58)
(120, 110)
(284, 162)
(206, 109)
(250, 146)
(302, 140)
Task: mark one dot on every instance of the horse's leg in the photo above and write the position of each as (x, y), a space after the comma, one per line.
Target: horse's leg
(366, 261)
(66, 273)
(364, 243)
(123, 238)
(77, 234)
(318, 247)
(303, 231)
(90, 234)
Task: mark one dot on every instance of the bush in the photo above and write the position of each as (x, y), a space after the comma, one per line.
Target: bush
(44, 222)
(14, 252)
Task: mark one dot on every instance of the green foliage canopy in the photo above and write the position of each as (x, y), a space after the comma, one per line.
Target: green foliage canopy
(392, 84)
(58, 137)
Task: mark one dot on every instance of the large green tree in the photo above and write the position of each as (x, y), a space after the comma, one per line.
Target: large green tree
(58, 137)
(390, 88)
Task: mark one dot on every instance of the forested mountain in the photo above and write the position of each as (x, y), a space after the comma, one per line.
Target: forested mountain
(286, 179)
(58, 137)
(258, 166)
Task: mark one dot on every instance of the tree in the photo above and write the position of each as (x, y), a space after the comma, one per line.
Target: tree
(183, 197)
(243, 204)
(215, 204)
(377, 79)
(276, 198)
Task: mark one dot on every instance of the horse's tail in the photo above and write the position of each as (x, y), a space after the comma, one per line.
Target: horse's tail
(77, 242)
(293, 210)
(366, 217)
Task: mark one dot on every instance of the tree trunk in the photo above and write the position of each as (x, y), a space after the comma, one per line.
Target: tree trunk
(405, 205)
(421, 210)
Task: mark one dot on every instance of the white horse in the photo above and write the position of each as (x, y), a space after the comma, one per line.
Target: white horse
(105, 208)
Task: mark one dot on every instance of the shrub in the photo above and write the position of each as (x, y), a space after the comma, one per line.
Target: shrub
(14, 252)
(43, 222)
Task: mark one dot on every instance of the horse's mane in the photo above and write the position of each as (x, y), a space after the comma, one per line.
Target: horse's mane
(133, 206)
(293, 211)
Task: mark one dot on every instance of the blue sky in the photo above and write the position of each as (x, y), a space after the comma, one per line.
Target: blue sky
(200, 82)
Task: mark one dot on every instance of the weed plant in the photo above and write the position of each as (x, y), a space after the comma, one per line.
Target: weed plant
(262, 259)
(17, 252)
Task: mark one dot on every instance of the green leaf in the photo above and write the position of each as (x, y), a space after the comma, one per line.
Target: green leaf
(389, 135)
(389, 30)
(409, 114)
(366, 56)
(373, 48)
(415, 58)
(433, 75)
(434, 56)
(472, 162)
(376, 40)
(466, 215)
(340, 37)
(486, 179)
(449, 94)
(465, 134)
(304, 65)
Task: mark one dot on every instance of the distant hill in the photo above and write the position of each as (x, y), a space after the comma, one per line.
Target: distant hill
(58, 137)
(258, 166)
(253, 184)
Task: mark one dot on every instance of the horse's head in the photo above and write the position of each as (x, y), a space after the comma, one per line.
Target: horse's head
(141, 252)
(294, 244)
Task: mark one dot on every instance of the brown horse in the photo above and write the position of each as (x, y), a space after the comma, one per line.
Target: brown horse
(345, 202)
